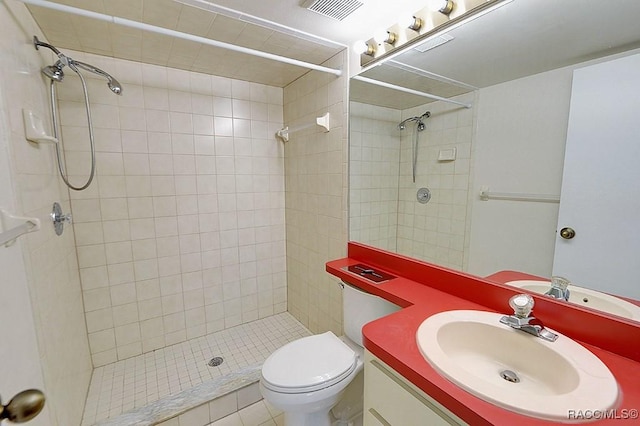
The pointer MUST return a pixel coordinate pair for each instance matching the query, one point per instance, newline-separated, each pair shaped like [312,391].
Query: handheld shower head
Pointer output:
[113,84]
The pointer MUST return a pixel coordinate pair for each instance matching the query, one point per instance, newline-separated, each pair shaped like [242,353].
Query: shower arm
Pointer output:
[37,43]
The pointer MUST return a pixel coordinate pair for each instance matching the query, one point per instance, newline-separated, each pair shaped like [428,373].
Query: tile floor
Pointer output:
[138,381]
[258,414]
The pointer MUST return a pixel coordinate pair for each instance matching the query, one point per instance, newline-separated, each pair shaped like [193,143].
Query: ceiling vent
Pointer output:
[336,9]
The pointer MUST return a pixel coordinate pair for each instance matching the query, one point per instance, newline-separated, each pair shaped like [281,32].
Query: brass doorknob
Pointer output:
[23,407]
[567,233]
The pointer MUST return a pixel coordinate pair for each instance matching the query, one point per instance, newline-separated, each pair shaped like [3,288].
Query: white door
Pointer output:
[600,197]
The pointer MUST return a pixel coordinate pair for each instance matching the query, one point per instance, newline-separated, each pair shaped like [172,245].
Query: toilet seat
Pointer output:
[309,364]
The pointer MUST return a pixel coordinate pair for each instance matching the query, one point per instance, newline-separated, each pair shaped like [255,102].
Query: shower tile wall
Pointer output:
[182,234]
[316,194]
[52,281]
[437,231]
[374,161]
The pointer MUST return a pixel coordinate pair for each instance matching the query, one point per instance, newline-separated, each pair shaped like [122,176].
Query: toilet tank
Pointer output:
[359,308]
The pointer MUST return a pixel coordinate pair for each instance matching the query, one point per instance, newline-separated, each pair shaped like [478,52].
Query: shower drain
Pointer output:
[215,361]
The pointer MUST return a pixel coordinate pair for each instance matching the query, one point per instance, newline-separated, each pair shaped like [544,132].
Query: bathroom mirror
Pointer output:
[514,65]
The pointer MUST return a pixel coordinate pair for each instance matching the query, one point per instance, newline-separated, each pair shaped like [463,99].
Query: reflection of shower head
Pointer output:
[421,125]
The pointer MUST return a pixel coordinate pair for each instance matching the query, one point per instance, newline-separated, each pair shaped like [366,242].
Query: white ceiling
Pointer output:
[360,25]
[68,31]
[521,38]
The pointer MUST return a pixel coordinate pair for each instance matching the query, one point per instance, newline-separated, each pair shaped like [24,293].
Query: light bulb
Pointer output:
[442,6]
[384,36]
[362,47]
[380,36]
[411,22]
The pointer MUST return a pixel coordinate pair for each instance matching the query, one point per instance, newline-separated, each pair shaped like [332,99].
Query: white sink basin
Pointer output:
[473,349]
[586,297]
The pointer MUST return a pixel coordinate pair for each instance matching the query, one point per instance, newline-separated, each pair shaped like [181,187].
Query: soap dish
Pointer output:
[34,129]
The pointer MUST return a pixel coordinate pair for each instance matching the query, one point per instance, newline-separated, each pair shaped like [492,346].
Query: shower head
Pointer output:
[54,72]
[401,125]
[421,125]
[113,84]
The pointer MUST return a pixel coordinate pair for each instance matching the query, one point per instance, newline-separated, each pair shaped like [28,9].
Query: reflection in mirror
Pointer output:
[384,208]
[517,74]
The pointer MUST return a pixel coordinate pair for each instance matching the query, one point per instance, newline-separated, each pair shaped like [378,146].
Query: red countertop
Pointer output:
[424,289]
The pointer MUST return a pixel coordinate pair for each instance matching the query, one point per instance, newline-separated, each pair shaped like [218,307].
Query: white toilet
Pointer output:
[307,377]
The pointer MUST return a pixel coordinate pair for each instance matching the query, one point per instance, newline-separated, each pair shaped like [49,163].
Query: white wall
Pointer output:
[61,366]
[374,161]
[519,147]
[316,195]
[19,357]
[437,231]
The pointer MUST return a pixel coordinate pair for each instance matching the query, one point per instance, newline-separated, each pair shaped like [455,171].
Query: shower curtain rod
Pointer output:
[406,90]
[179,34]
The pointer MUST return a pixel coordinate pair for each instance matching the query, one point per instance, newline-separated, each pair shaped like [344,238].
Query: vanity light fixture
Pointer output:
[384,36]
[444,6]
[364,48]
[413,23]
[427,29]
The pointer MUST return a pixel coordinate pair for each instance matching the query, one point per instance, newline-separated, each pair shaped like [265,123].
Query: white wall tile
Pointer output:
[174,186]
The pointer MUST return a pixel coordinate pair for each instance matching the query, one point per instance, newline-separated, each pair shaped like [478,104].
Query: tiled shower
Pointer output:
[384,208]
[182,234]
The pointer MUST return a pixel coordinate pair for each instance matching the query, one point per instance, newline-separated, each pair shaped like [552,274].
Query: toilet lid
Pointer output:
[308,364]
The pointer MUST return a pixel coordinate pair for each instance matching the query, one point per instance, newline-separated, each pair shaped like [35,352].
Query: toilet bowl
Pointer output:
[307,377]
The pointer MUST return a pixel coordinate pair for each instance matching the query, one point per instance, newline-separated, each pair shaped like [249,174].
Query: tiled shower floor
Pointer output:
[144,379]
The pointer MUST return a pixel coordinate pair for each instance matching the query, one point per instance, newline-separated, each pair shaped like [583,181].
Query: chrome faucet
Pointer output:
[559,288]
[522,319]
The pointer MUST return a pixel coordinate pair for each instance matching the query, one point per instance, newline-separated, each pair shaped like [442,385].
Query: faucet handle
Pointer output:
[522,305]
[560,282]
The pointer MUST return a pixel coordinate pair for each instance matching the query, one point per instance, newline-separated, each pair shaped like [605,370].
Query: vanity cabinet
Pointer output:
[391,400]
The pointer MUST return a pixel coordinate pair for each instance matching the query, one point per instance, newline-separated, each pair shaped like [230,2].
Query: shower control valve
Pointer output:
[59,218]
